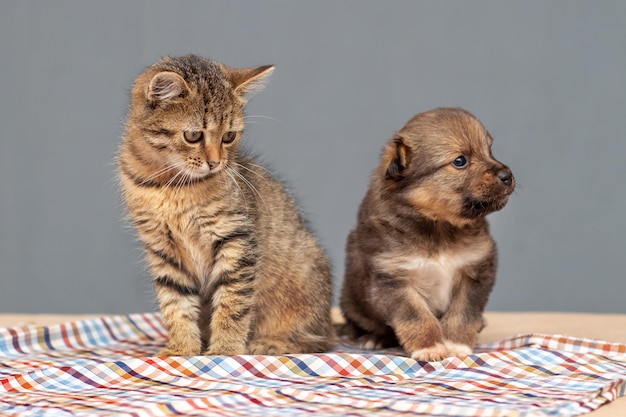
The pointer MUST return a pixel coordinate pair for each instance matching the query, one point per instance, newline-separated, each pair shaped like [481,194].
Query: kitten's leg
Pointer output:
[296,339]
[290,336]
[180,307]
[464,318]
[206,312]
[233,299]
[272,346]
[289,341]
[179,304]
[293,304]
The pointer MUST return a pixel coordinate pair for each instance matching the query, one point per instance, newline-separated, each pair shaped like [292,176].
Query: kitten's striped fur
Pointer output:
[235,269]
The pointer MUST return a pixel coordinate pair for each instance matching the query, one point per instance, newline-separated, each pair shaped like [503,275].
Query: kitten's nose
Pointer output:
[213,164]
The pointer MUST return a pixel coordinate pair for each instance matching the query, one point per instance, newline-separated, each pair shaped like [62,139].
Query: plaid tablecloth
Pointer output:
[106,366]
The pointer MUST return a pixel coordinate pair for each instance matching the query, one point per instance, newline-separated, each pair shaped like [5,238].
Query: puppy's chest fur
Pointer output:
[434,275]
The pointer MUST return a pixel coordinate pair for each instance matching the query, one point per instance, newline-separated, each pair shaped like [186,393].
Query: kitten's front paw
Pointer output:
[217,350]
[222,352]
[178,352]
[271,347]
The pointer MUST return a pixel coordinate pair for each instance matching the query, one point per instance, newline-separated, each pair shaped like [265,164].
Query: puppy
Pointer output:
[420,263]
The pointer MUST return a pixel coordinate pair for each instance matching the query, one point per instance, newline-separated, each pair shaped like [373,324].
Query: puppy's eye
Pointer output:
[460,162]
[192,137]
[229,137]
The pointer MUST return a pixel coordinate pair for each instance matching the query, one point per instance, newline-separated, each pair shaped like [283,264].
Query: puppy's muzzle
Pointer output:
[506,176]
[493,194]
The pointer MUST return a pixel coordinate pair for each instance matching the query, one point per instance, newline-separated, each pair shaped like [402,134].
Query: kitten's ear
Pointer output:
[248,80]
[396,158]
[166,85]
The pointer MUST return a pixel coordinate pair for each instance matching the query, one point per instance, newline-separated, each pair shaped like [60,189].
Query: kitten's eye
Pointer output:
[229,137]
[192,137]
[460,162]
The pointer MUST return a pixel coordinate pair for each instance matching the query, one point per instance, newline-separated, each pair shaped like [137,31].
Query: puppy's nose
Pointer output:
[505,175]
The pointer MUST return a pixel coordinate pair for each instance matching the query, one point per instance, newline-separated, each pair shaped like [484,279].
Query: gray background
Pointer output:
[546,78]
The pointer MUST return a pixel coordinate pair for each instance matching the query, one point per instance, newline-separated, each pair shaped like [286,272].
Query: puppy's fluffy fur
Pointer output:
[421,263]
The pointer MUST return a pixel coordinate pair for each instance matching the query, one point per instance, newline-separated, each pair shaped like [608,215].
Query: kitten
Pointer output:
[235,268]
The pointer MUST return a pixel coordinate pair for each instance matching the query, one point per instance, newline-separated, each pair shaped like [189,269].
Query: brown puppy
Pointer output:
[421,263]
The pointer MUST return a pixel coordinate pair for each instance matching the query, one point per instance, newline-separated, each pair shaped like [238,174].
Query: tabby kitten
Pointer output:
[236,270]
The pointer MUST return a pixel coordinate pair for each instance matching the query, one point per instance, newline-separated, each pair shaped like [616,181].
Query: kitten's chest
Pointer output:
[185,212]
[187,229]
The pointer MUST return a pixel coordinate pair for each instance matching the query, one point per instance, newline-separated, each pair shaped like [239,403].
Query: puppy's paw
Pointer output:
[370,342]
[432,353]
[440,351]
[458,349]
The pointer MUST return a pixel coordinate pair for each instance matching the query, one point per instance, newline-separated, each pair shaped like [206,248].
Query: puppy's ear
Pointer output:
[396,158]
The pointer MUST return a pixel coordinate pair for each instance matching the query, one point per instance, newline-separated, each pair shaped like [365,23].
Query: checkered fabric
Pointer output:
[106,366]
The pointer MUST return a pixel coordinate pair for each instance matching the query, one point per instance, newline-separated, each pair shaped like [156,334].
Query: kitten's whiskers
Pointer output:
[260,167]
[182,182]
[264,117]
[162,171]
[251,186]
[250,170]
[230,171]
[171,181]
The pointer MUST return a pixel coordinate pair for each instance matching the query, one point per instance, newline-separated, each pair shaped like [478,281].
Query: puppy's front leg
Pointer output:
[416,328]
[464,318]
